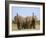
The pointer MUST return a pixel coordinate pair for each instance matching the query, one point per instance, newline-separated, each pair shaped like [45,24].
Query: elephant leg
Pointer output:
[30,26]
[21,26]
[18,27]
[25,26]
[33,26]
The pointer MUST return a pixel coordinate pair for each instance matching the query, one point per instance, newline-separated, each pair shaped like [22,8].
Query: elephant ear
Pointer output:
[15,19]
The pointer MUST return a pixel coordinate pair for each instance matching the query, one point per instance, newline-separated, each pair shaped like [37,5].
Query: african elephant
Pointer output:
[20,21]
[25,22]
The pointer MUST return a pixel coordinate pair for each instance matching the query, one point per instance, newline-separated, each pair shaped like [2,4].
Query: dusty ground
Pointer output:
[14,27]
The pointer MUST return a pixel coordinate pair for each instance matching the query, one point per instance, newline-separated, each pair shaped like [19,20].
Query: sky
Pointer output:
[26,11]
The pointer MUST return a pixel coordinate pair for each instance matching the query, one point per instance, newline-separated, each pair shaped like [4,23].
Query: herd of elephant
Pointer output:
[25,22]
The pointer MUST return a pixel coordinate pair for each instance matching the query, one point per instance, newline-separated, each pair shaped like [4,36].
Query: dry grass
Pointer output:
[14,27]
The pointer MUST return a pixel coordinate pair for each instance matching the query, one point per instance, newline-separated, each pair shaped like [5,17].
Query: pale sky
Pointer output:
[26,11]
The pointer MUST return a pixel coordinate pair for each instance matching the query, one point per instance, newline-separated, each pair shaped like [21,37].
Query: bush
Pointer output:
[13,21]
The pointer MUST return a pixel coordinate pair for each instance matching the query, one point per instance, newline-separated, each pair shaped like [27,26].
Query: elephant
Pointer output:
[20,21]
[25,22]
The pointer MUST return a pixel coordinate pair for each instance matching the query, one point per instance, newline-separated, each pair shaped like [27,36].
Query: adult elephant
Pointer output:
[30,22]
[24,22]
[20,21]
